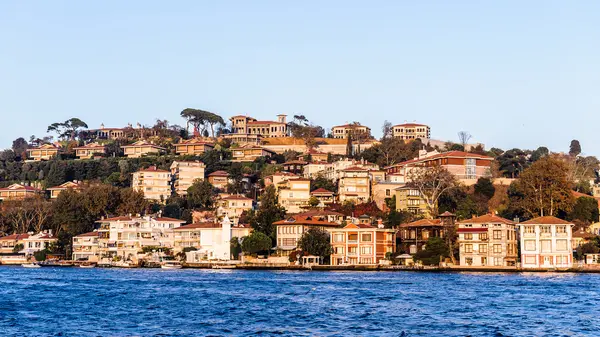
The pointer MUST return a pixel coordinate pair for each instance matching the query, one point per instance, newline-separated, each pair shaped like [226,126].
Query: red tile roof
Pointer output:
[200,225]
[306,220]
[118,218]
[423,223]
[153,169]
[64,186]
[355,169]
[89,234]
[358,226]
[219,174]
[409,125]
[14,237]
[449,154]
[236,197]
[321,190]
[91,146]
[165,219]
[472,230]
[488,218]
[19,187]
[263,122]
[195,141]
[318,212]
[547,220]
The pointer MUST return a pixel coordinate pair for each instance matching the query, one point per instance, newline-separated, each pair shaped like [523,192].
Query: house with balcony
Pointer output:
[248,130]
[411,131]
[10,243]
[36,242]
[57,190]
[219,179]
[361,244]
[249,153]
[546,243]
[294,166]
[354,185]
[232,206]
[154,183]
[193,147]
[184,173]
[314,156]
[290,230]
[43,152]
[19,192]
[409,199]
[125,236]
[487,240]
[324,196]
[85,247]
[90,151]
[414,235]
[142,148]
[294,194]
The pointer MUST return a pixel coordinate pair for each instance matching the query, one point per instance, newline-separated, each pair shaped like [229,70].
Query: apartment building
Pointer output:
[19,192]
[360,244]
[212,240]
[85,247]
[546,243]
[315,169]
[290,230]
[57,190]
[324,196]
[464,166]
[294,166]
[410,131]
[154,183]
[125,236]
[342,131]
[249,153]
[193,147]
[335,171]
[184,173]
[279,177]
[487,240]
[294,194]
[232,206]
[142,148]
[43,152]
[90,151]
[410,200]
[219,179]
[354,185]
[315,156]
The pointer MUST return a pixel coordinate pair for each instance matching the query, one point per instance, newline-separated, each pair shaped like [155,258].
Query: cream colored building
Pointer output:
[219,179]
[342,131]
[359,244]
[383,190]
[85,247]
[43,152]
[249,153]
[324,196]
[212,240]
[242,125]
[18,192]
[410,200]
[354,185]
[294,194]
[233,206]
[487,240]
[56,190]
[193,147]
[409,131]
[154,183]
[37,242]
[290,230]
[89,151]
[142,148]
[184,173]
[546,243]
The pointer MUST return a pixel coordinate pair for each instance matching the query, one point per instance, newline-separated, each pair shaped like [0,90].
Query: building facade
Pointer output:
[90,151]
[342,131]
[154,183]
[290,230]
[57,190]
[411,200]
[18,192]
[232,207]
[360,244]
[43,152]
[219,179]
[546,243]
[142,148]
[85,247]
[487,240]
[193,147]
[184,173]
[410,131]
[354,185]
[294,194]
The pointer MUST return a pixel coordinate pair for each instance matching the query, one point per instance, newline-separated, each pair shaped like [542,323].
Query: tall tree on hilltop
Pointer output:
[575,148]
[386,130]
[200,119]
[463,138]
[68,129]
[19,146]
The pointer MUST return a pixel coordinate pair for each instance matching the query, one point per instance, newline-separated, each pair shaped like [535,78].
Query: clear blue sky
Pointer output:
[512,73]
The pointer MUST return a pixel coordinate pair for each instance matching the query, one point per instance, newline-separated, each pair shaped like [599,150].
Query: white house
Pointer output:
[546,243]
[212,240]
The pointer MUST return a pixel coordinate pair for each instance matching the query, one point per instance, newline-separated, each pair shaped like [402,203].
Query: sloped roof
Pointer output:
[63,186]
[219,174]
[14,237]
[409,125]
[423,223]
[143,143]
[195,141]
[200,225]
[153,169]
[487,218]
[546,220]
[89,234]
[235,197]
[91,146]
[449,154]
[306,220]
[321,190]
[19,187]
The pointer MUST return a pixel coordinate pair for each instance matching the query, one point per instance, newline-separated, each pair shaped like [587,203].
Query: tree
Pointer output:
[485,188]
[235,248]
[19,146]
[538,154]
[431,182]
[316,242]
[463,138]
[268,212]
[56,174]
[313,201]
[256,242]
[200,195]
[435,250]
[386,130]
[545,188]
[200,119]
[68,129]
[585,210]
[574,148]
[512,162]
[131,202]
[322,182]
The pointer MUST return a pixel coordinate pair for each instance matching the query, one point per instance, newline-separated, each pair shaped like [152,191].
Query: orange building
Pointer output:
[219,179]
[193,147]
[142,148]
[361,244]
[90,151]
[43,152]
[18,192]
[56,190]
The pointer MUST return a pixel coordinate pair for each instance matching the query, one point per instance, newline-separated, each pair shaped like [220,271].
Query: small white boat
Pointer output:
[87,266]
[30,265]
[223,266]
[171,265]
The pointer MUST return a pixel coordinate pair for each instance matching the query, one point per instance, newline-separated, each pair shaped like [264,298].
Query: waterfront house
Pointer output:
[360,244]
[36,242]
[414,235]
[219,179]
[18,192]
[9,242]
[43,152]
[184,173]
[90,151]
[546,243]
[154,183]
[85,247]
[56,190]
[142,148]
[487,240]
[411,200]
[290,230]
[232,206]
[193,147]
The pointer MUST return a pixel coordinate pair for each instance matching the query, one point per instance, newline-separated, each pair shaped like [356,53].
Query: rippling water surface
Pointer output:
[155,302]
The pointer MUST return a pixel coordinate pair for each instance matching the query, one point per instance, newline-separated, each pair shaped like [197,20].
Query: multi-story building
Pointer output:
[142,148]
[487,240]
[184,173]
[279,177]
[596,190]
[90,151]
[315,169]
[36,242]
[56,190]
[414,235]
[546,243]
[464,166]
[335,171]
[361,244]
[342,131]
[410,200]
[354,185]
[10,243]
[43,152]
[232,206]
[153,182]
[219,179]
[242,125]
[249,153]
[382,191]
[85,247]
[408,131]
[212,240]
[324,196]
[125,236]
[315,156]
[193,147]
[294,166]
[18,192]
[290,230]
[294,194]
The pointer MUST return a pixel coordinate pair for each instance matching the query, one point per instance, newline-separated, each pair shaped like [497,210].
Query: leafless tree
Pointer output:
[464,138]
[431,182]
[386,129]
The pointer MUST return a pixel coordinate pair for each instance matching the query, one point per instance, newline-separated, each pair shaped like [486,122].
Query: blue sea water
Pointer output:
[155,302]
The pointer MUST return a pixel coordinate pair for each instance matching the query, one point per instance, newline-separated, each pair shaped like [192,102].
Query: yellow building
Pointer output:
[250,153]
[233,206]
[193,147]
[294,194]
[342,131]
[154,183]
[290,230]
[241,125]
[408,131]
[324,196]
[18,192]
[184,173]
[354,185]
[142,148]
[56,190]
[90,151]
[410,200]
[219,179]
[43,152]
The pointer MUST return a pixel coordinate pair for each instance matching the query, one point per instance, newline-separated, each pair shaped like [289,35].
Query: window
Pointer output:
[366,250]
[483,260]
[497,249]
[497,234]
[529,229]
[468,248]
[561,229]
[351,250]
[561,245]
[546,246]
[530,245]
[497,261]
[366,237]
[338,238]
[339,250]
[545,230]
[483,236]
[468,236]
[483,248]
[352,237]
[388,192]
